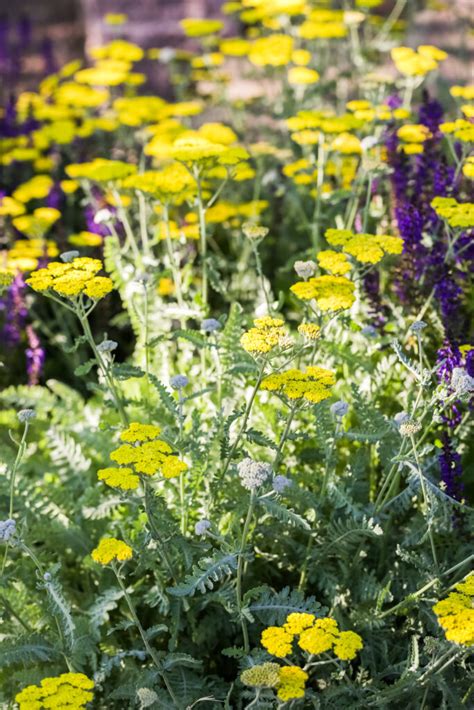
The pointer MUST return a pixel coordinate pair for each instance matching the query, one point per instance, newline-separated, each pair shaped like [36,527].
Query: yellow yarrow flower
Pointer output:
[334,262]
[146,453]
[110,549]
[197,27]
[331,293]
[122,478]
[456,613]
[274,51]
[311,331]
[312,385]
[101,170]
[302,76]
[71,690]
[265,675]
[264,337]
[292,683]
[277,641]
[72,279]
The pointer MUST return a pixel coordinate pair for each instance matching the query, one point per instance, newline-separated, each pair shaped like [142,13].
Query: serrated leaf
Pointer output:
[124,371]
[85,368]
[284,514]
[205,574]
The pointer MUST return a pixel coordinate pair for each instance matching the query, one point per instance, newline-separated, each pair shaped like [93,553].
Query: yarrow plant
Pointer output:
[237,369]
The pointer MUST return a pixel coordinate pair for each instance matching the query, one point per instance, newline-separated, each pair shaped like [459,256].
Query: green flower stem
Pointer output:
[425,587]
[246,417]
[284,436]
[327,469]
[240,571]
[131,241]
[16,464]
[316,222]
[40,569]
[389,23]
[203,237]
[102,365]
[171,256]
[143,222]
[304,569]
[182,500]
[365,217]
[425,500]
[157,535]
[151,652]
[258,264]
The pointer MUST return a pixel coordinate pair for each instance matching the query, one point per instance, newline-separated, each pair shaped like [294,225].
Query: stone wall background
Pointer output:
[37,36]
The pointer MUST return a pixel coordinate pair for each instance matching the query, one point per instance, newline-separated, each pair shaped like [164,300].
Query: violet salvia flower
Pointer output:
[15,311]
[35,356]
[450,468]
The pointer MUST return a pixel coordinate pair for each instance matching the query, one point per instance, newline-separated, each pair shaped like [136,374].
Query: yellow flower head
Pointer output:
[456,613]
[196,27]
[334,262]
[265,675]
[71,690]
[110,549]
[331,293]
[292,683]
[277,641]
[145,453]
[274,50]
[101,170]
[311,331]
[312,385]
[72,279]
[302,76]
[265,336]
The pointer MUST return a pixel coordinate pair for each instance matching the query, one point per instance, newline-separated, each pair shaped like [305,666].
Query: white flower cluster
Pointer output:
[253,474]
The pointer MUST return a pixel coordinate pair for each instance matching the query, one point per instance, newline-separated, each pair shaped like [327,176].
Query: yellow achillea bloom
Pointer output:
[277,641]
[334,262]
[311,331]
[456,214]
[456,613]
[38,222]
[292,683]
[71,690]
[85,239]
[72,279]
[146,453]
[123,478]
[197,27]
[347,144]
[166,286]
[101,170]
[37,188]
[331,293]
[347,645]
[416,63]
[110,549]
[414,133]
[298,621]
[312,385]
[366,248]
[302,76]
[265,675]
[266,335]
[274,50]
[162,184]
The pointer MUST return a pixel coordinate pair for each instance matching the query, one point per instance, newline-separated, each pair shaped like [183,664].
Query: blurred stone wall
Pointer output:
[38,36]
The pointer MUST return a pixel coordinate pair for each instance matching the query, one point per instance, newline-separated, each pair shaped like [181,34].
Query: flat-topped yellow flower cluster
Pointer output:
[142,453]
[72,279]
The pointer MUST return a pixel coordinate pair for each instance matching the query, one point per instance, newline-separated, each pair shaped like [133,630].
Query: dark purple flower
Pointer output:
[35,356]
[14,307]
[450,468]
